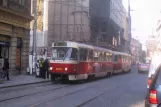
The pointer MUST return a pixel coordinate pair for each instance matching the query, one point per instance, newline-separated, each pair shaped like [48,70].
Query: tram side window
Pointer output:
[83,54]
[111,56]
[123,59]
[107,56]
[90,55]
[104,57]
[115,58]
[100,57]
[74,54]
[95,54]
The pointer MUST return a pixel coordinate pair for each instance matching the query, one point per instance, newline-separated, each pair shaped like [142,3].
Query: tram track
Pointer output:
[34,93]
[71,93]
[17,88]
[53,89]
[59,97]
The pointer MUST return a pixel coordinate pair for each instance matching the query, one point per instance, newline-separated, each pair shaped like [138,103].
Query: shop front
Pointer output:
[4,46]
[14,39]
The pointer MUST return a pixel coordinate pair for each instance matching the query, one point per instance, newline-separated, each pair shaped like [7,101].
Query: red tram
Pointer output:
[122,62]
[77,61]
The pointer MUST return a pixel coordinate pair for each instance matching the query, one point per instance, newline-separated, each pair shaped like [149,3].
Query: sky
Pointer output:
[144,17]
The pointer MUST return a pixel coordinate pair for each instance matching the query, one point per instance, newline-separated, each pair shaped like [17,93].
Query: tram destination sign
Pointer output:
[60,44]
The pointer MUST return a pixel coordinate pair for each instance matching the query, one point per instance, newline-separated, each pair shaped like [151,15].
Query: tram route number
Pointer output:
[59,69]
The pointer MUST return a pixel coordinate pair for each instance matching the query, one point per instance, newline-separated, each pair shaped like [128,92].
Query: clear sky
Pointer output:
[144,17]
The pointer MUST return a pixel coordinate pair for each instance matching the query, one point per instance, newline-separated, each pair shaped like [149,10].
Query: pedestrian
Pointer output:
[6,68]
[37,69]
[41,63]
[46,68]
[1,62]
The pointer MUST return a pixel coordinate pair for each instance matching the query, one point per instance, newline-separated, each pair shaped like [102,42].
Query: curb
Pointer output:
[24,84]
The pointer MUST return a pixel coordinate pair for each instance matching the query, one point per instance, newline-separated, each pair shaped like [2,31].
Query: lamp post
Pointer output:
[34,58]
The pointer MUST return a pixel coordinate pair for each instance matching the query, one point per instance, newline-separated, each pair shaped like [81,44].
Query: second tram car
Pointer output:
[77,61]
[121,62]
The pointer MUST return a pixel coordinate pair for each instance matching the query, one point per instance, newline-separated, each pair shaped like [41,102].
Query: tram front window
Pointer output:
[64,53]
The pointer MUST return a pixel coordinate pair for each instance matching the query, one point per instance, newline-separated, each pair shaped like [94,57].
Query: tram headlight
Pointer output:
[66,69]
[51,68]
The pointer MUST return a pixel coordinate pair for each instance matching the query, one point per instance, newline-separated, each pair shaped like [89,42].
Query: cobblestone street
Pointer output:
[124,90]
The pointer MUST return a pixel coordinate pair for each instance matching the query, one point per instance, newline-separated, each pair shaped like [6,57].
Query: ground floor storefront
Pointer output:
[15,47]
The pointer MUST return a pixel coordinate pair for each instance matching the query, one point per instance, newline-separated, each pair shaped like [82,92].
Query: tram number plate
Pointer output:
[59,69]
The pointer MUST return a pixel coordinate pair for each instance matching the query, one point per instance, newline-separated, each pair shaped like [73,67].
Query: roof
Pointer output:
[121,53]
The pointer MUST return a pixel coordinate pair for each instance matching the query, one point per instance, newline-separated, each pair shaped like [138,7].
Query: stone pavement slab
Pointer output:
[22,80]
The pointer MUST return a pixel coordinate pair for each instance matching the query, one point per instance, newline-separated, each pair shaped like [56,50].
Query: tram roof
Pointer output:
[83,45]
[120,53]
[93,47]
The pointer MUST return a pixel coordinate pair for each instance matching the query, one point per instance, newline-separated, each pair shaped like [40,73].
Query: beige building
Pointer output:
[68,20]
[14,33]
[60,20]
[40,26]
[136,50]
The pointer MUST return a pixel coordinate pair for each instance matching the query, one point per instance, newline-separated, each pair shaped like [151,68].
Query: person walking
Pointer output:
[1,62]
[6,68]
[41,64]
[37,69]
[46,68]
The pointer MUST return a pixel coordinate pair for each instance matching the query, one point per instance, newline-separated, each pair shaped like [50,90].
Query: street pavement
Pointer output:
[124,90]
[22,80]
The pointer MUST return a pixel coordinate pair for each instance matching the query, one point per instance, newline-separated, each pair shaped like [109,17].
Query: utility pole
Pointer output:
[34,57]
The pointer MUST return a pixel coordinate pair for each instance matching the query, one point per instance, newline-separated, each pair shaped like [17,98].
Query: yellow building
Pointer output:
[40,8]
[39,31]
[15,17]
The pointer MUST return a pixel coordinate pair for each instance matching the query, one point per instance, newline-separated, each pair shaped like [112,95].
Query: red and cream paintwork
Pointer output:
[79,70]
[122,62]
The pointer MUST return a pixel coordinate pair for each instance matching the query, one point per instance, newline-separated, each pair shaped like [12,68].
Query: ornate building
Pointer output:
[15,32]
[136,50]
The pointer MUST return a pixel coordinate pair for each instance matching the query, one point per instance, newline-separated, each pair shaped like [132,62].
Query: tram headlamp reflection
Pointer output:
[51,68]
[66,69]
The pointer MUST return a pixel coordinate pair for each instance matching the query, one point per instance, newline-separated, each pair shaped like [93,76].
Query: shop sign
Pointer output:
[3,43]
[4,40]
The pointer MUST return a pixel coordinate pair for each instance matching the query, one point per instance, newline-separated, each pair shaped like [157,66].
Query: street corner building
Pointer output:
[15,17]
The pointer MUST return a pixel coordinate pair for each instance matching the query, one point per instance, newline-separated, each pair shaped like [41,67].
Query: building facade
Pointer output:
[136,50]
[151,45]
[97,22]
[68,20]
[158,35]
[108,18]
[40,26]
[15,33]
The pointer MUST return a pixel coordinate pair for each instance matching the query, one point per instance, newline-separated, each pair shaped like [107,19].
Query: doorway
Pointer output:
[4,51]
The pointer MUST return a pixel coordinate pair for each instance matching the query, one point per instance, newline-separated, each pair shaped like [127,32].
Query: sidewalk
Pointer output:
[22,80]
